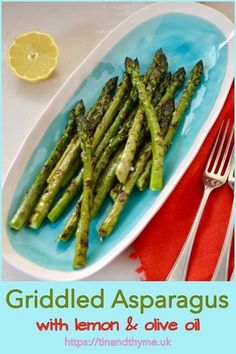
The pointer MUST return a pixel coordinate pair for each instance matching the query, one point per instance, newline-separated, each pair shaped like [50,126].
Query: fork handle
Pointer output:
[221,271]
[180,268]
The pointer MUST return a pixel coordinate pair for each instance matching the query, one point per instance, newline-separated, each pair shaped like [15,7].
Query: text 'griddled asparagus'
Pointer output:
[119,144]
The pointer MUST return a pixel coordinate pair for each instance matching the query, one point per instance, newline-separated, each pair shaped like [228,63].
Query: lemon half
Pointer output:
[33,56]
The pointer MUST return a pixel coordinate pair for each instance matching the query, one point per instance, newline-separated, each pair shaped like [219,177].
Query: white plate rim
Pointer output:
[59,100]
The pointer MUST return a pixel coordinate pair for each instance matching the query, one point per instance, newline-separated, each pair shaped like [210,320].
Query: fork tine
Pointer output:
[226,153]
[231,173]
[220,147]
[228,165]
[214,147]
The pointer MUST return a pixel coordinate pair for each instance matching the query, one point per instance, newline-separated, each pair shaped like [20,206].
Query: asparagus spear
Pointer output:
[67,197]
[110,221]
[195,77]
[94,116]
[113,129]
[31,197]
[134,133]
[76,183]
[144,178]
[158,61]
[101,190]
[176,117]
[175,83]
[71,225]
[41,209]
[105,183]
[65,153]
[81,245]
[111,111]
[130,148]
[161,89]
[68,177]
[102,105]
[114,143]
[164,114]
[156,182]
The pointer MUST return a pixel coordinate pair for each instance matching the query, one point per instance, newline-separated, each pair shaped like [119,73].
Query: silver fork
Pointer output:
[212,178]
[221,270]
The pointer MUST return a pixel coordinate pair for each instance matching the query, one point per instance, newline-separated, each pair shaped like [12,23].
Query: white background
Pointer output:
[76,28]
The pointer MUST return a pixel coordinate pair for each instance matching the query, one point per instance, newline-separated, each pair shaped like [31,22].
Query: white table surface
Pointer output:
[76,28]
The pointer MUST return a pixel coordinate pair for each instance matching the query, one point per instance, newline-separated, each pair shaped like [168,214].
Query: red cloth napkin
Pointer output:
[160,243]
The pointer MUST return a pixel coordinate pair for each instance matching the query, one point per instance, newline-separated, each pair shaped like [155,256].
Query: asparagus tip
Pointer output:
[200,63]
[160,60]
[179,75]
[111,83]
[131,65]
[136,61]
[196,72]
[159,52]
[198,68]
[79,108]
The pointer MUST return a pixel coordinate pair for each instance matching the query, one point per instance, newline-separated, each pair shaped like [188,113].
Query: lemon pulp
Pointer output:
[33,56]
